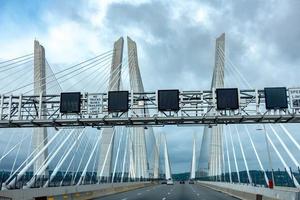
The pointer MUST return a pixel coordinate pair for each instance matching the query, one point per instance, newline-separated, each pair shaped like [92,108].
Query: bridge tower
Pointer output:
[193,164]
[136,85]
[167,161]
[211,147]
[156,156]
[107,141]
[39,134]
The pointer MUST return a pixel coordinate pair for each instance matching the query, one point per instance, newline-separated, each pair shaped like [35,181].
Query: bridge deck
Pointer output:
[174,192]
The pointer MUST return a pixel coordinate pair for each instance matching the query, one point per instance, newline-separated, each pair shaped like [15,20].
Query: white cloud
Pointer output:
[69,42]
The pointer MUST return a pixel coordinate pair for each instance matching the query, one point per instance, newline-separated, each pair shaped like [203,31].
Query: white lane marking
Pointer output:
[148,190]
[124,199]
[139,193]
[169,193]
[198,194]
[163,198]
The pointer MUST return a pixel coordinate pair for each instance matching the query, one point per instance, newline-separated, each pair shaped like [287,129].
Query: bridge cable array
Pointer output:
[241,80]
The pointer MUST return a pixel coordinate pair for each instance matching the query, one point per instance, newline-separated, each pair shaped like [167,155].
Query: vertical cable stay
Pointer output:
[82,177]
[17,58]
[223,156]
[234,68]
[117,156]
[125,154]
[243,154]
[81,160]
[74,153]
[22,74]
[91,76]
[68,78]
[64,157]
[45,163]
[50,74]
[16,64]
[82,151]
[106,156]
[114,79]
[48,160]
[234,156]
[25,162]
[6,147]
[13,148]
[64,70]
[73,71]
[285,147]
[94,171]
[16,157]
[21,173]
[256,154]
[228,159]
[23,64]
[284,163]
[290,136]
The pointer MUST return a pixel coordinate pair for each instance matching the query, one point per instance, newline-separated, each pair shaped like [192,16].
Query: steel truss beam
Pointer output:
[25,111]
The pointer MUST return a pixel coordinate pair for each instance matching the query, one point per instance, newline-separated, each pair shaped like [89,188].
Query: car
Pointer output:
[170,182]
[181,182]
[164,182]
[191,182]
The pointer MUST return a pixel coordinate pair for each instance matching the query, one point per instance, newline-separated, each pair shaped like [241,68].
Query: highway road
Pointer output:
[172,192]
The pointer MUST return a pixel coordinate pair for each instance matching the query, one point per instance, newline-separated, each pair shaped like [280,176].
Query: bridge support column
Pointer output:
[216,147]
[193,164]
[213,138]
[156,157]
[167,161]
[39,134]
[107,141]
[136,84]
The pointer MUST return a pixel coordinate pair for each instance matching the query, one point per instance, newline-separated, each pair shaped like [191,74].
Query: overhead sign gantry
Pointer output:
[164,107]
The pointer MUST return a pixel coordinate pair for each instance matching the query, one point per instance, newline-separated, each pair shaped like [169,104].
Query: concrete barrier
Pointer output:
[248,192]
[80,192]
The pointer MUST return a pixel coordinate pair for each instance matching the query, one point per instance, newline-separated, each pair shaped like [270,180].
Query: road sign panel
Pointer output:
[70,102]
[294,94]
[276,98]
[94,104]
[118,101]
[168,100]
[227,98]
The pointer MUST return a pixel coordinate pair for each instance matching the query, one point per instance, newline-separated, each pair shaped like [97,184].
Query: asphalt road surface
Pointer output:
[176,192]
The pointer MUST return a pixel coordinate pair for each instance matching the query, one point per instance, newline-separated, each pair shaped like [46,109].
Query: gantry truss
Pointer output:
[196,108]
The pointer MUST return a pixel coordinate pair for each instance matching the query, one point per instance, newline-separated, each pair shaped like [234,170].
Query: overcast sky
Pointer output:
[175,42]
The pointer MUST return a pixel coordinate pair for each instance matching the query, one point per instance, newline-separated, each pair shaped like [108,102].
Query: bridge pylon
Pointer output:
[211,148]
[167,160]
[156,156]
[39,134]
[193,163]
[136,85]
[107,141]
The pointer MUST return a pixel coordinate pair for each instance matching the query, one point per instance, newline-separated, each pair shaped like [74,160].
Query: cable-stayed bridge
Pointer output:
[94,136]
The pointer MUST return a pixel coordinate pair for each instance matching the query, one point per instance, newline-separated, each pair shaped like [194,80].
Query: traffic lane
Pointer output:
[209,194]
[149,192]
[174,192]
[195,192]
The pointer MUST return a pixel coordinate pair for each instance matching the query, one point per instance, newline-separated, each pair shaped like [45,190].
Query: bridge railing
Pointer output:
[281,177]
[67,180]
